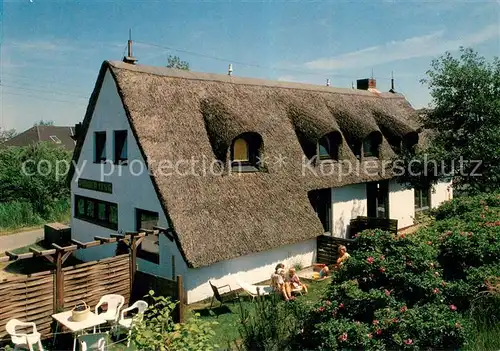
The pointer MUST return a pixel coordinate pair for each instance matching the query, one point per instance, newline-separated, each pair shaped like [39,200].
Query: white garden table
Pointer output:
[64,318]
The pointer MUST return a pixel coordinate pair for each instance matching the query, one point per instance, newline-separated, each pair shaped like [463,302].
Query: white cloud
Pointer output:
[422,46]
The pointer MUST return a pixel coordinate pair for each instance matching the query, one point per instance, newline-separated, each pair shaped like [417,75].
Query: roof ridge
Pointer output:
[221,78]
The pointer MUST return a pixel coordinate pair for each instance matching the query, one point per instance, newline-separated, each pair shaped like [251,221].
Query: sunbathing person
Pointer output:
[343,256]
[294,280]
[278,282]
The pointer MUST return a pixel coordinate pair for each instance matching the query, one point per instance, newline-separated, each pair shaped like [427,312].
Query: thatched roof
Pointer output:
[178,115]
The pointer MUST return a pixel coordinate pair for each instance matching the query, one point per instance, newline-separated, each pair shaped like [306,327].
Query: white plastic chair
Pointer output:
[114,303]
[19,339]
[95,342]
[141,306]
[252,289]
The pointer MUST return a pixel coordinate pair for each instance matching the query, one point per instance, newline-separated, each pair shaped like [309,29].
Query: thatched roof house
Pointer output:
[178,115]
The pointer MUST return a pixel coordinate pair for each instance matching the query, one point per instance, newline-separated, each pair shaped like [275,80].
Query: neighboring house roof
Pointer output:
[176,115]
[53,134]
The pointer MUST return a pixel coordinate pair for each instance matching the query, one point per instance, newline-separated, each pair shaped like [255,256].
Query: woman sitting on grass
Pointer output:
[279,284]
[294,280]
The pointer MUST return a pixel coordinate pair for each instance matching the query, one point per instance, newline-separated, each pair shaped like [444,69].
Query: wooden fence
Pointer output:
[161,286]
[28,298]
[33,298]
[361,223]
[89,281]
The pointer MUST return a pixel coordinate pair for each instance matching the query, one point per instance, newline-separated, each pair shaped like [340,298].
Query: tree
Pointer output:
[175,62]
[6,134]
[464,124]
[43,123]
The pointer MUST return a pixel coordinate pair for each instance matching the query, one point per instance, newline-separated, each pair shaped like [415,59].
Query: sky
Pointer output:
[51,51]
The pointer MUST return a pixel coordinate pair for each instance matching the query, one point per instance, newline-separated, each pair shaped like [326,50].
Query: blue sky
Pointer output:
[51,51]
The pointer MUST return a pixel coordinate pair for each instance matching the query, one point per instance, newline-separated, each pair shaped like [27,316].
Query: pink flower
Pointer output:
[395,320]
[457,325]
[321,309]
[429,243]
[435,291]
[369,260]
[328,303]
[436,274]
[409,263]
[375,322]
[341,305]
[382,257]
[408,341]
[369,335]
[378,331]
[387,292]
[358,322]
[404,309]
[453,307]
[382,269]
[343,337]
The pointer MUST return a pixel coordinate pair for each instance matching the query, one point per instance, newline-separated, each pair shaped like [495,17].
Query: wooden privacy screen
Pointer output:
[28,298]
[33,298]
[144,282]
[89,281]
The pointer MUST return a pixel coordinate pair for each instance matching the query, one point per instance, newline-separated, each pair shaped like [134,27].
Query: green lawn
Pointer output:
[228,316]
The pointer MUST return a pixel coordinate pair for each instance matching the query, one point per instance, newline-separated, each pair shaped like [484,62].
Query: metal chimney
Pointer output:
[230,70]
[327,82]
[130,57]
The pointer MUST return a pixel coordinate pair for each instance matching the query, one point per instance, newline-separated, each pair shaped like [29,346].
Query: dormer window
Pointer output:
[371,145]
[356,149]
[328,147]
[245,152]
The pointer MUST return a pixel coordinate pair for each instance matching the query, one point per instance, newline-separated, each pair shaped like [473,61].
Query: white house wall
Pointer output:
[401,204]
[440,193]
[252,269]
[348,202]
[131,189]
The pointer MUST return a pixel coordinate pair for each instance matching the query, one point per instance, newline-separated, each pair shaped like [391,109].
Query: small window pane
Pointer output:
[113,214]
[80,205]
[240,150]
[101,211]
[120,146]
[90,208]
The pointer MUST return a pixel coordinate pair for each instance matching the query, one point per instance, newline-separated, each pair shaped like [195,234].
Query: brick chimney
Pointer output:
[369,84]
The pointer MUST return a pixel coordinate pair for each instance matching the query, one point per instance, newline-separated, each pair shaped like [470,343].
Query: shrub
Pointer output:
[427,290]
[272,325]
[157,330]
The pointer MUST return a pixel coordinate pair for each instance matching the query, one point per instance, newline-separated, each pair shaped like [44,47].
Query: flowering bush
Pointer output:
[411,291]
[415,291]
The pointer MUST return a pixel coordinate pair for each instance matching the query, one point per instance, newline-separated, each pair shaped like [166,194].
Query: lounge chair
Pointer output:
[251,290]
[222,296]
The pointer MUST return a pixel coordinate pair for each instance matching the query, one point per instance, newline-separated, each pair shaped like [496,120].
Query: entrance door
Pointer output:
[377,195]
[149,249]
[321,200]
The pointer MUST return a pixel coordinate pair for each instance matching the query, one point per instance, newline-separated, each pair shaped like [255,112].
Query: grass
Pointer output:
[485,338]
[228,316]
[16,215]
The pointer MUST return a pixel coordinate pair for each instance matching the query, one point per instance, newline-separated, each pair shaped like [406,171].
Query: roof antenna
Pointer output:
[230,70]
[372,72]
[352,84]
[129,58]
[327,82]
[392,83]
